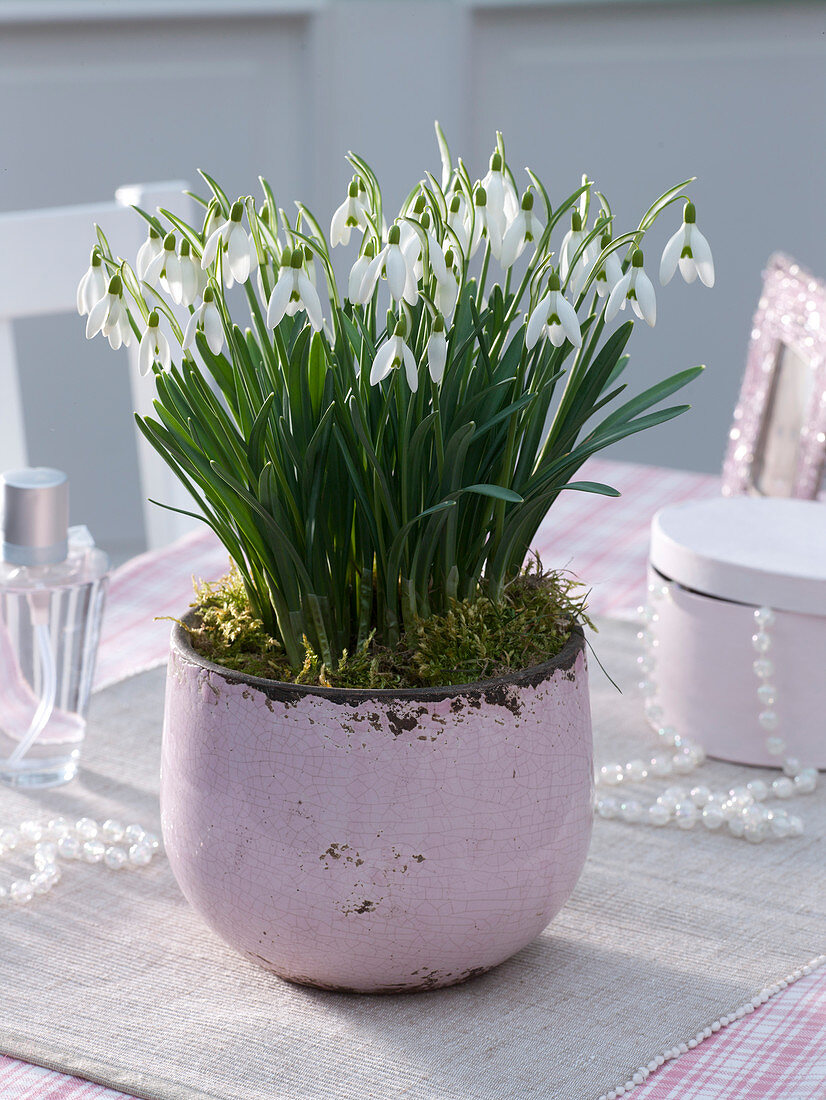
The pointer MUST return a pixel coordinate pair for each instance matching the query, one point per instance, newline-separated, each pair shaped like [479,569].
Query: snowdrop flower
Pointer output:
[610,271]
[147,252]
[458,218]
[208,320]
[154,347]
[349,216]
[525,227]
[185,276]
[502,201]
[356,285]
[92,287]
[554,316]
[447,291]
[411,248]
[294,291]
[570,245]
[398,267]
[480,223]
[689,249]
[235,243]
[110,316]
[634,287]
[392,354]
[162,263]
[437,350]
[435,253]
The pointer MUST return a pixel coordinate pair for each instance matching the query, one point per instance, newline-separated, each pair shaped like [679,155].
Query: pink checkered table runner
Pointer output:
[777,1052]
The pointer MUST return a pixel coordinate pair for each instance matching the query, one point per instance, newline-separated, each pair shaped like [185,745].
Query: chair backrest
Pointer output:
[29,287]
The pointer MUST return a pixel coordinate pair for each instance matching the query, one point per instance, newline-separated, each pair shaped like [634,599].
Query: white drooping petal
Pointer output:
[146,253]
[311,300]
[115,337]
[502,207]
[411,286]
[280,297]
[191,328]
[612,270]
[174,277]
[479,225]
[513,242]
[459,223]
[567,318]
[155,267]
[124,326]
[213,329]
[97,316]
[253,255]
[214,240]
[190,280]
[81,286]
[91,289]
[146,351]
[357,273]
[386,356]
[537,321]
[671,256]
[616,299]
[371,276]
[646,299]
[511,204]
[566,252]
[703,259]
[238,253]
[437,258]
[494,186]
[339,229]
[409,242]
[396,271]
[164,353]
[447,294]
[688,269]
[116,328]
[411,369]
[437,356]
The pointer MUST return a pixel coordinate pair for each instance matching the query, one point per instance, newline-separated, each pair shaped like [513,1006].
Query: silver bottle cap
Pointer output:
[35,516]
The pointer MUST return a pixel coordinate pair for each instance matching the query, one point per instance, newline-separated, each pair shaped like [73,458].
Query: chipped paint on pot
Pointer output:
[377,840]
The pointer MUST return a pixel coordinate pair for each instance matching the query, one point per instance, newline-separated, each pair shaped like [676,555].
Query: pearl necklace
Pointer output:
[740,809]
[115,845]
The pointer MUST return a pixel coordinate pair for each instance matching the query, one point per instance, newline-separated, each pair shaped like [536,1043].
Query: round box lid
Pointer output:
[764,551]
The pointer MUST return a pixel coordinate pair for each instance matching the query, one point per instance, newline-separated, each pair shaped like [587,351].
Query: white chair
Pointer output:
[30,288]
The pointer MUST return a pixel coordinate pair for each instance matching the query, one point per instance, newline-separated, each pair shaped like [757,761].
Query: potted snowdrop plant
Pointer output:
[377,766]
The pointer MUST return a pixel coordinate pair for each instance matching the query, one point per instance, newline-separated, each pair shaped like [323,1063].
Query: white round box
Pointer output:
[718,561]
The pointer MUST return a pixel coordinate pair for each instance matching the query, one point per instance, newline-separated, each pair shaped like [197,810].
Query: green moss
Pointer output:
[475,640]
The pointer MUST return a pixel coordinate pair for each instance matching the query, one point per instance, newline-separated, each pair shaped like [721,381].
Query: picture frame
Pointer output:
[777,441]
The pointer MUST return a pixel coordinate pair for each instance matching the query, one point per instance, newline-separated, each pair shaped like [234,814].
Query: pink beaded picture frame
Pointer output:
[780,418]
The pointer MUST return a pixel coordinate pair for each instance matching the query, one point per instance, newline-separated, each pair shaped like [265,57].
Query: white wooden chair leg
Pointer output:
[12,429]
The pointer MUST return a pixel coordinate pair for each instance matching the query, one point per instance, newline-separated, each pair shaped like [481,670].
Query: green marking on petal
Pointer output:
[686,253]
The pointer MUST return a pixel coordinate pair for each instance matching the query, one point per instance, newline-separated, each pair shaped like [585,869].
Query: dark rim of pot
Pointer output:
[285,691]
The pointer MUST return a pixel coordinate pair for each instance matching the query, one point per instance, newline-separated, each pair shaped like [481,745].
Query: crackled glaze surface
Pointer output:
[376,841]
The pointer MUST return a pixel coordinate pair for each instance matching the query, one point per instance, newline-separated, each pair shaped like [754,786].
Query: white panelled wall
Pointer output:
[95,95]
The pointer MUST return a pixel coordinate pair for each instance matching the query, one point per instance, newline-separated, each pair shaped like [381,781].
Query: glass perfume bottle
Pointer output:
[53,583]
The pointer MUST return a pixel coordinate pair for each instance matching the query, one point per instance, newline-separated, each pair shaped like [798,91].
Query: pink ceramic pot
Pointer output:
[377,841]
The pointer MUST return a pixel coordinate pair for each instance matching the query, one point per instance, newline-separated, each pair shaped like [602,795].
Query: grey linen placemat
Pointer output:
[112,977]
